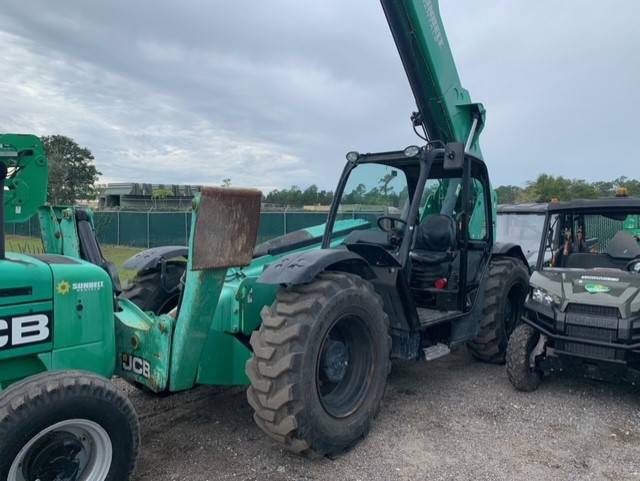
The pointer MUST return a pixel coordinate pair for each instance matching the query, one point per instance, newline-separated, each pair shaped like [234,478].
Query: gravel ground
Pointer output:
[452,419]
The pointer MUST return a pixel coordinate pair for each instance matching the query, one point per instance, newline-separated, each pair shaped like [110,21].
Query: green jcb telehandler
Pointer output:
[61,326]
[319,326]
[420,281]
[310,324]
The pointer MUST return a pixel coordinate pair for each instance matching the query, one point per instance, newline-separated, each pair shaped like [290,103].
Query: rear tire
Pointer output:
[519,370]
[67,425]
[505,290]
[147,291]
[320,363]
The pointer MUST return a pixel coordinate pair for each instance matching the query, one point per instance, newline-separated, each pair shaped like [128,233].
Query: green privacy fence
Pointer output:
[601,228]
[151,229]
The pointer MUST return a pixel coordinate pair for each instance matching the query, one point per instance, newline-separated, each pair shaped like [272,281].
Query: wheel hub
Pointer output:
[71,450]
[344,366]
[336,361]
[58,456]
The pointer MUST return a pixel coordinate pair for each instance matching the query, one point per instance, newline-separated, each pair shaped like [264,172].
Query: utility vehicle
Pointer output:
[582,312]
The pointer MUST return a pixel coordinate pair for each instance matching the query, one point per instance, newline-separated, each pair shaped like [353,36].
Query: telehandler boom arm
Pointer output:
[445,110]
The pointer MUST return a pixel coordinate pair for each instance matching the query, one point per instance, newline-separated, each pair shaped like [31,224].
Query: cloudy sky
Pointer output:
[274,93]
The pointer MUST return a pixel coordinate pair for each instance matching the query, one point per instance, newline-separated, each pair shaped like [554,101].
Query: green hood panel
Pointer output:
[24,279]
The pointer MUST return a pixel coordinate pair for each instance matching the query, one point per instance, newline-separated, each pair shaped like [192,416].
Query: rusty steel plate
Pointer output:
[226,227]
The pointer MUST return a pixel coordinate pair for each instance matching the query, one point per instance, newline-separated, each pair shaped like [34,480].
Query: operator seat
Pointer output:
[432,256]
[435,240]
[90,249]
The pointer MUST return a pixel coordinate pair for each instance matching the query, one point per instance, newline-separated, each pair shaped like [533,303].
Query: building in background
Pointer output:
[133,196]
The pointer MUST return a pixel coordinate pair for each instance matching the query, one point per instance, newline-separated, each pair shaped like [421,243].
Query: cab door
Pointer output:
[476,230]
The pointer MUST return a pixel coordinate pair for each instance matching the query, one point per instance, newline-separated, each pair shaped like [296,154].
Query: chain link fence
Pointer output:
[152,229]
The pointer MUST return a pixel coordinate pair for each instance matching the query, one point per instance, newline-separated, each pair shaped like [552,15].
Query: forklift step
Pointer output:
[430,317]
[437,351]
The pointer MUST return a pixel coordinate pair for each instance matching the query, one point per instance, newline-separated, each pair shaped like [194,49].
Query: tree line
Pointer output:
[547,187]
[73,175]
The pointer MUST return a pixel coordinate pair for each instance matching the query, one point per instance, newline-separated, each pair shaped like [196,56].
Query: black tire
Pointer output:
[519,370]
[505,290]
[54,398]
[291,365]
[147,291]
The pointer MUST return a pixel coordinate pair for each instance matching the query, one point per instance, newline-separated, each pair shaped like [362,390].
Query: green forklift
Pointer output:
[310,323]
[413,286]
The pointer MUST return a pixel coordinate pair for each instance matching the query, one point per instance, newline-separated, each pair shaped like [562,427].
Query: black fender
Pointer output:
[509,249]
[303,267]
[151,258]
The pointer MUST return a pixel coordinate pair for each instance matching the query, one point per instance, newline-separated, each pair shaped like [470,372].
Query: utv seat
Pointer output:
[593,261]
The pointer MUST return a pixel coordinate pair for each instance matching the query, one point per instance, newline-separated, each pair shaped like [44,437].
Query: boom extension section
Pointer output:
[445,110]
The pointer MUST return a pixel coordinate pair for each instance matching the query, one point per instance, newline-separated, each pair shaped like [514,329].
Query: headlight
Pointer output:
[411,151]
[538,295]
[353,156]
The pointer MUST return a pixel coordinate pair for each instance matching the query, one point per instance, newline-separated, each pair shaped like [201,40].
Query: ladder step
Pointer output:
[439,350]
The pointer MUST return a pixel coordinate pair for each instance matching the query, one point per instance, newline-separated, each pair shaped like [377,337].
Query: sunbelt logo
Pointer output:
[64,287]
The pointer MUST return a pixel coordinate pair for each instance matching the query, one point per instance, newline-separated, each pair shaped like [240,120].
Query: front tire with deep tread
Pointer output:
[40,402]
[287,353]
[522,375]
[505,290]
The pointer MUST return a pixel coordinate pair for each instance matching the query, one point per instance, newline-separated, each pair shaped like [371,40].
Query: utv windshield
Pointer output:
[524,230]
[603,240]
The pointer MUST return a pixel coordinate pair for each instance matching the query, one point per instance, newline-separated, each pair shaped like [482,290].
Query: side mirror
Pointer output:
[454,156]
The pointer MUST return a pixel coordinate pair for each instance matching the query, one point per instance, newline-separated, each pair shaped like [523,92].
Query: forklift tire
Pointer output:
[320,364]
[147,291]
[69,425]
[505,290]
[519,370]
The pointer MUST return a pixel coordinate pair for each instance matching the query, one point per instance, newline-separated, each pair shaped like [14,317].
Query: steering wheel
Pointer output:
[389,218]
[634,265]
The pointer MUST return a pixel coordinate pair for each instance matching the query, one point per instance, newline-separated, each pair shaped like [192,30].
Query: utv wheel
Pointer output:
[66,426]
[522,375]
[506,287]
[148,291]
[320,364]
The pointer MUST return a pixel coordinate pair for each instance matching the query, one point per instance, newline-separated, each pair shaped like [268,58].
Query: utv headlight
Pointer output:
[542,297]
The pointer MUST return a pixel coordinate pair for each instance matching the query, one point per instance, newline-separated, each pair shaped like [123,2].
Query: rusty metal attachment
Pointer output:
[227,227]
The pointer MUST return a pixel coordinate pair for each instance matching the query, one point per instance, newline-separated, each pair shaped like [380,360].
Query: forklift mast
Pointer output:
[445,110]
